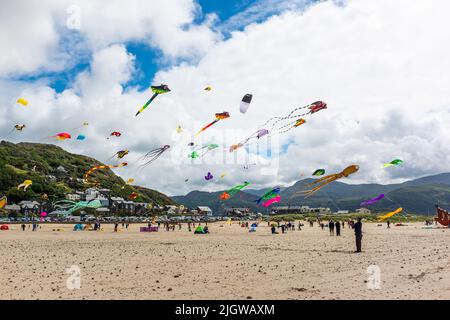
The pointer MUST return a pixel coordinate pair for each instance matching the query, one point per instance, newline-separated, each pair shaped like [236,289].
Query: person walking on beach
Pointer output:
[116,225]
[338,228]
[358,234]
[343,224]
[299,226]
[322,225]
[23,226]
[331,227]
[388,224]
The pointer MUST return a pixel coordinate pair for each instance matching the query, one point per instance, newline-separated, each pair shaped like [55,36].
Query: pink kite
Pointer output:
[273,200]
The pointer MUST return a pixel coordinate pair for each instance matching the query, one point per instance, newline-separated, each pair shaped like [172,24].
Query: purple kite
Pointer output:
[370,201]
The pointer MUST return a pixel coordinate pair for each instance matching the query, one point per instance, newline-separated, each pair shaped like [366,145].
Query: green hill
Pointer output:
[40,162]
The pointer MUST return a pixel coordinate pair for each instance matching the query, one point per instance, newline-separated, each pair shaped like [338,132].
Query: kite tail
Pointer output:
[146,104]
[206,127]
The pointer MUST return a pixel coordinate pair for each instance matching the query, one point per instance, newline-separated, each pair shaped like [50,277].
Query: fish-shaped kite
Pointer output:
[390,214]
[271,201]
[373,200]
[163,88]
[219,116]
[319,172]
[395,162]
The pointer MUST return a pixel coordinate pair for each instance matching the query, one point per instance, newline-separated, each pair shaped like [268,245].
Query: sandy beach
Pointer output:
[229,263]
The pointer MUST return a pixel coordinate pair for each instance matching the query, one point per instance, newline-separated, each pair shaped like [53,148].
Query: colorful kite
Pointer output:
[208,88]
[270,194]
[62,136]
[81,137]
[219,116]
[209,176]
[245,103]
[25,185]
[256,135]
[271,201]
[395,162]
[120,154]
[19,127]
[373,200]
[115,134]
[22,101]
[3,202]
[322,182]
[199,153]
[91,170]
[152,155]
[284,124]
[133,196]
[129,181]
[390,214]
[319,172]
[156,91]
[229,193]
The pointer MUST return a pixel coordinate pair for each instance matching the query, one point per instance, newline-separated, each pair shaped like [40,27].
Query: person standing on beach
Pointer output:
[299,226]
[331,227]
[322,225]
[338,228]
[343,224]
[389,224]
[116,225]
[23,226]
[358,234]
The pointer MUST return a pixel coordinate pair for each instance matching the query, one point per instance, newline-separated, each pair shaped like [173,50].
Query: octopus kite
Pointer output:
[156,91]
[90,171]
[322,182]
[228,194]
[152,155]
[219,116]
[25,185]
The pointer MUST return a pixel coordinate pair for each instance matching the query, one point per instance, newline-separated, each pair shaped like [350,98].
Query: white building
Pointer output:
[363,210]
[205,211]
[73,197]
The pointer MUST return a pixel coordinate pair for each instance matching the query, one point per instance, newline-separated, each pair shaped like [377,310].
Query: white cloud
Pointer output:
[380,65]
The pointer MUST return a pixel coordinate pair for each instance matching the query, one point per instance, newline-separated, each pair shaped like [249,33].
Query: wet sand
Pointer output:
[229,263]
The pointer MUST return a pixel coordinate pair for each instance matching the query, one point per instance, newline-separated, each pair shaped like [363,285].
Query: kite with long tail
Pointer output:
[156,91]
[322,182]
[152,155]
[228,194]
[91,170]
[219,116]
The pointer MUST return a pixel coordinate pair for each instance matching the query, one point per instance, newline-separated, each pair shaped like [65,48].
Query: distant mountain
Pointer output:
[56,172]
[416,196]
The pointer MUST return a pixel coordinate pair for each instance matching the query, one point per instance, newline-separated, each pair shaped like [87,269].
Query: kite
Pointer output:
[258,135]
[270,201]
[322,182]
[25,185]
[91,170]
[229,193]
[62,136]
[133,196]
[284,124]
[319,172]
[195,154]
[153,154]
[120,154]
[209,176]
[179,129]
[3,202]
[373,200]
[247,166]
[219,116]
[186,180]
[131,180]
[245,103]
[208,88]
[390,214]
[19,127]
[223,175]
[270,194]
[395,162]
[299,122]
[190,144]
[22,101]
[85,124]
[115,134]
[156,91]
[81,137]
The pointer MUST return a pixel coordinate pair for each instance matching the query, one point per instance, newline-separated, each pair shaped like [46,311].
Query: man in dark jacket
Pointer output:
[337,225]
[358,234]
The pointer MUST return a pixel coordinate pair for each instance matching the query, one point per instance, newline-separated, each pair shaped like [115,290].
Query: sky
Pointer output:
[380,65]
